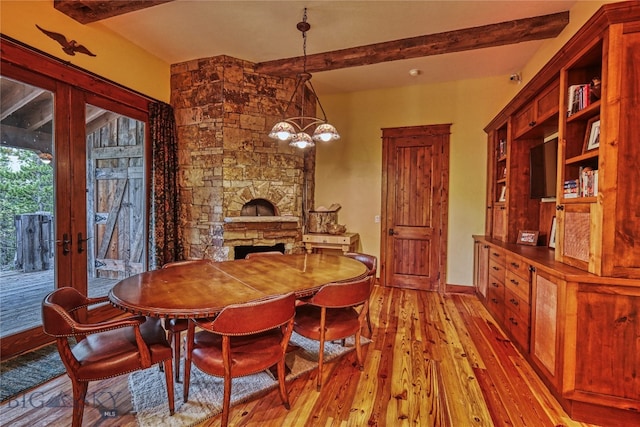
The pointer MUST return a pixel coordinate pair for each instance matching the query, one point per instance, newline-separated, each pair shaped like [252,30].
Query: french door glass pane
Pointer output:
[116,229]
[26,204]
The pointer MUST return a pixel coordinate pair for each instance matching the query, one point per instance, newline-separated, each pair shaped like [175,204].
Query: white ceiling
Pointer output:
[265,30]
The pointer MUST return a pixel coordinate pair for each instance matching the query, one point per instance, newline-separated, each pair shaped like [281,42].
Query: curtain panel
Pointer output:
[165,235]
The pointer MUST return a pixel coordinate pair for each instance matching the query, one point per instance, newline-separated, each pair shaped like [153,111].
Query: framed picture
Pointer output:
[527,237]
[552,234]
[592,135]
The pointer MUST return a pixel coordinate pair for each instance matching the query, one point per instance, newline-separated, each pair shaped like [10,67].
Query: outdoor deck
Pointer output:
[21,296]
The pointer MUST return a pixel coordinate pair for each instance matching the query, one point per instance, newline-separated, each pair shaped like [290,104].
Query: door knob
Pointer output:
[65,243]
[391,232]
[80,243]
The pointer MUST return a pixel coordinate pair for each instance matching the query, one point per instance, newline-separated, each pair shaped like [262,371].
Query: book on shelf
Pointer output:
[579,97]
[570,189]
[588,182]
[502,148]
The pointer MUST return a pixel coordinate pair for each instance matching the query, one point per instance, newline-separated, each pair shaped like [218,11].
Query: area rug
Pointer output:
[149,395]
[25,372]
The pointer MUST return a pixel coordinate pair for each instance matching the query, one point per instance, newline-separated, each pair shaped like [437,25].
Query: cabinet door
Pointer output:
[545,341]
[481,268]
[574,243]
[500,222]
[524,120]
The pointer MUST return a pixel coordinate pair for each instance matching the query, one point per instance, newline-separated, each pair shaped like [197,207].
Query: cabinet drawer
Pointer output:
[517,285]
[517,305]
[495,300]
[496,270]
[497,256]
[518,266]
[518,328]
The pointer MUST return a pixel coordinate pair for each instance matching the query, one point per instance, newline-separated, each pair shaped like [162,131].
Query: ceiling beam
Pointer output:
[504,33]
[87,11]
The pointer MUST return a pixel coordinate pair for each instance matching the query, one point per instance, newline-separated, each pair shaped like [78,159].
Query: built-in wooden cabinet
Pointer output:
[572,308]
[536,113]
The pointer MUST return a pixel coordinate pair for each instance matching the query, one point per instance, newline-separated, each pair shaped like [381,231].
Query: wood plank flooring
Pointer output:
[435,360]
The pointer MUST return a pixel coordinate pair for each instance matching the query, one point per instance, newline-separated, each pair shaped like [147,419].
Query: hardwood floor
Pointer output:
[435,360]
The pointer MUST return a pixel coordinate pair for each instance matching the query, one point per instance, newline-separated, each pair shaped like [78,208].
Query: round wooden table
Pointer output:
[203,290]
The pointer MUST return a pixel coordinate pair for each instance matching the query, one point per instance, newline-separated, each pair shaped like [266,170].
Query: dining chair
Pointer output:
[102,350]
[331,314]
[243,339]
[372,265]
[175,327]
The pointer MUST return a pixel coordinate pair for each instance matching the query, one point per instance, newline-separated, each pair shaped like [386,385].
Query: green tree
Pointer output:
[26,186]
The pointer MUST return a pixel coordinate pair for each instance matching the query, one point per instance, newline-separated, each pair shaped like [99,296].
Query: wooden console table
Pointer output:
[345,242]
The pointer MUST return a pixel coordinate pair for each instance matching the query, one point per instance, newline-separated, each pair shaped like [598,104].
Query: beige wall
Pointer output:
[349,171]
[116,59]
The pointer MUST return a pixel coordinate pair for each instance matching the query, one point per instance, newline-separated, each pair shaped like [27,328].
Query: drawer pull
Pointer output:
[515,265]
[496,254]
[515,282]
[512,320]
[495,268]
[513,301]
[493,300]
[494,284]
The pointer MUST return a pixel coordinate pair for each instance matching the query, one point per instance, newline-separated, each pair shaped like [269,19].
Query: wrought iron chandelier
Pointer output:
[294,129]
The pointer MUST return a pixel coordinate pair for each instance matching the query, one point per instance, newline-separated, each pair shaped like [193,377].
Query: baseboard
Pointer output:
[460,289]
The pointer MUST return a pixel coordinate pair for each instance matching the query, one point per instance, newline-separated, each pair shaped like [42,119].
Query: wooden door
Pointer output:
[414,206]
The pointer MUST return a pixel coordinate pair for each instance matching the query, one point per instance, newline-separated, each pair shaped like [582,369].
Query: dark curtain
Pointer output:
[165,235]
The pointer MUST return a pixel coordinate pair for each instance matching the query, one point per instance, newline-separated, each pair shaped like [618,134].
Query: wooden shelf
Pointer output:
[588,111]
[582,157]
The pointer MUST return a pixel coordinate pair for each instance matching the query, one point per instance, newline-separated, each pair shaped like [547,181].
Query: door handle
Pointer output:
[65,243]
[80,243]
[391,232]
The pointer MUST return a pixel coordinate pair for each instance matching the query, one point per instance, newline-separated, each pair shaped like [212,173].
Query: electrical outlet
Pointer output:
[376,219]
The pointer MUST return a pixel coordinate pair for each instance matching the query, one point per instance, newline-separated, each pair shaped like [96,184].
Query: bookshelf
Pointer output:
[589,278]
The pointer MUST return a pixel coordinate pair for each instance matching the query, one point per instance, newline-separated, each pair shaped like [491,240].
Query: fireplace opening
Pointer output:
[259,207]
[242,251]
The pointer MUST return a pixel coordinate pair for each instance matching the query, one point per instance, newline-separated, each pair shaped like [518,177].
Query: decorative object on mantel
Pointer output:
[336,228]
[321,218]
[294,129]
[69,47]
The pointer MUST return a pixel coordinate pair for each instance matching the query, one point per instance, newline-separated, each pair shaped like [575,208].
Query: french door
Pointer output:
[81,155]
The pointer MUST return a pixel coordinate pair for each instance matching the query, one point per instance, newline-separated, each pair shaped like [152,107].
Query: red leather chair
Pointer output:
[103,350]
[243,339]
[175,327]
[331,315]
[372,264]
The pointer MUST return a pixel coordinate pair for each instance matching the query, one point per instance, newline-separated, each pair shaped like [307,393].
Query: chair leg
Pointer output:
[369,322]
[176,355]
[79,395]
[320,363]
[187,377]
[226,402]
[168,376]
[283,386]
[359,350]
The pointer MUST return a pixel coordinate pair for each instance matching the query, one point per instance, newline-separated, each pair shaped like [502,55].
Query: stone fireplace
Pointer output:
[228,167]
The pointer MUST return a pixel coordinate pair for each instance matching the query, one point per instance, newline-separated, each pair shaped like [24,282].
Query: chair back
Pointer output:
[60,311]
[369,260]
[253,317]
[343,294]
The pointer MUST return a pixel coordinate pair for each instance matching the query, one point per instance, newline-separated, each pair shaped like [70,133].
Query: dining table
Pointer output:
[198,290]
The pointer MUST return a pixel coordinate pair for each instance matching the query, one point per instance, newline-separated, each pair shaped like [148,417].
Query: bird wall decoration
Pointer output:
[69,47]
